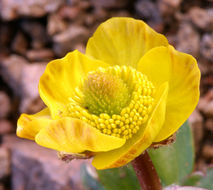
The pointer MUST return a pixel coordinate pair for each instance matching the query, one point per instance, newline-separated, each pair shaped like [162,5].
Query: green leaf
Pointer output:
[89,181]
[207,180]
[198,179]
[193,179]
[123,178]
[174,162]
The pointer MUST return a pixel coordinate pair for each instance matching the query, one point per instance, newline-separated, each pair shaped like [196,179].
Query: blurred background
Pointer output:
[33,32]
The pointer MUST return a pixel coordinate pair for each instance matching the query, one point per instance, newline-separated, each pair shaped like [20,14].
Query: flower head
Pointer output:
[129,90]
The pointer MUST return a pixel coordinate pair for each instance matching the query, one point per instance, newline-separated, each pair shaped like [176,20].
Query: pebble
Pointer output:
[4,163]
[5,105]
[200,18]
[206,47]
[188,39]
[6,127]
[196,123]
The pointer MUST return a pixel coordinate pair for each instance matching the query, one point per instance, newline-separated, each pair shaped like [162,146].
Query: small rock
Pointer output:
[196,123]
[148,11]
[32,105]
[69,12]
[55,24]
[23,78]
[4,162]
[208,151]
[5,35]
[2,186]
[20,43]
[208,110]
[31,74]
[206,47]
[205,104]
[168,8]
[65,41]
[80,47]
[37,32]
[5,127]
[188,39]
[209,124]
[40,55]
[5,105]
[35,167]
[11,71]
[109,4]
[11,9]
[100,15]
[200,18]
[201,165]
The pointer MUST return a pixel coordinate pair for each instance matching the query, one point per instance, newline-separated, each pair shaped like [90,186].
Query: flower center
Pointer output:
[116,100]
[105,93]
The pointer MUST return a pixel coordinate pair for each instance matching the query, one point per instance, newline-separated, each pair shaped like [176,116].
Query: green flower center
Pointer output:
[116,100]
[105,93]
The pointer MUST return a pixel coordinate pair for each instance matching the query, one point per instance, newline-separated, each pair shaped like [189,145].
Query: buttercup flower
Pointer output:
[129,90]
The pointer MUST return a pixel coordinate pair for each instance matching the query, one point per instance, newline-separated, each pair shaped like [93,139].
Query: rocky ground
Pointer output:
[33,32]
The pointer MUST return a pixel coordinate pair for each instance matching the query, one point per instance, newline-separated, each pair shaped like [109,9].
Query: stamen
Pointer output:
[134,108]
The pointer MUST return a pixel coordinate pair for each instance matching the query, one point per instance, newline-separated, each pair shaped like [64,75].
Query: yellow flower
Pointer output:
[129,90]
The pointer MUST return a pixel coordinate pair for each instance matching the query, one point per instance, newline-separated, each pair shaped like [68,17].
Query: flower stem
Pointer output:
[146,173]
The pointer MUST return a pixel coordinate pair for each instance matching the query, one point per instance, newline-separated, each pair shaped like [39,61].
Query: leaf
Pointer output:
[89,181]
[123,178]
[193,179]
[174,162]
[207,180]
[174,187]
[200,180]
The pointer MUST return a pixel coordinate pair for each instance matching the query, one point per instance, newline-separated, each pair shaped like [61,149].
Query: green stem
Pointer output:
[146,172]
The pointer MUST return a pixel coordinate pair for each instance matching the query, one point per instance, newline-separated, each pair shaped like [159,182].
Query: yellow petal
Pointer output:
[181,71]
[30,125]
[62,76]
[123,41]
[140,141]
[75,136]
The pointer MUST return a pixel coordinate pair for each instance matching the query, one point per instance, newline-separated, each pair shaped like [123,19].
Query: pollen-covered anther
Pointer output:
[125,118]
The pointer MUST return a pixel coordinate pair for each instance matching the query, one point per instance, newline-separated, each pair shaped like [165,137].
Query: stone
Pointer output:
[196,123]
[205,104]
[69,12]
[207,151]
[5,36]
[40,55]
[188,39]
[23,78]
[4,163]
[31,74]
[5,127]
[201,165]
[11,72]
[37,31]
[5,105]
[55,24]
[209,124]
[2,186]
[206,47]
[109,4]
[35,167]
[12,9]
[208,110]
[200,18]
[6,33]
[80,47]
[65,41]
[168,8]
[148,11]
[20,43]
